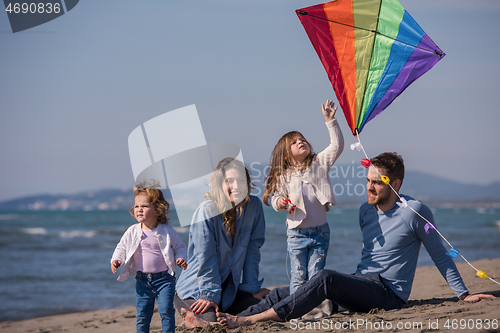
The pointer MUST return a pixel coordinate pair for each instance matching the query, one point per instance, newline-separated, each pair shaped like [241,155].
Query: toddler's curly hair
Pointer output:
[155,197]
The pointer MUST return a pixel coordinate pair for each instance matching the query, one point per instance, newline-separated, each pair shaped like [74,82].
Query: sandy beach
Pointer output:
[432,307]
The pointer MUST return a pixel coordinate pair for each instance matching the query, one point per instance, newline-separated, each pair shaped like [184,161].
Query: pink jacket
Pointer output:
[171,246]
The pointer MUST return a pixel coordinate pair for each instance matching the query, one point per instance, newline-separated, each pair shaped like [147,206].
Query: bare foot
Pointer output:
[230,321]
[190,320]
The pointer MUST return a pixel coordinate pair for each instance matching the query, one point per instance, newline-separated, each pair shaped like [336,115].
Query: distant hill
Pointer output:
[107,199]
[348,185]
[426,187]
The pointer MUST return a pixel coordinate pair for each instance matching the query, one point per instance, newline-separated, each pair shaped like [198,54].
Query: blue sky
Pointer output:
[74,88]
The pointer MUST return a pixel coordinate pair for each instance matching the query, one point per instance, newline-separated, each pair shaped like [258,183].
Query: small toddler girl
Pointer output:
[149,250]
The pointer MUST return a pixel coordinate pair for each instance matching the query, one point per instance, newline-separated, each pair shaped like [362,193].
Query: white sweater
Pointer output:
[316,176]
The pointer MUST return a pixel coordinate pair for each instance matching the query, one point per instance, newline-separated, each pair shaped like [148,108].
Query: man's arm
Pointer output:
[445,264]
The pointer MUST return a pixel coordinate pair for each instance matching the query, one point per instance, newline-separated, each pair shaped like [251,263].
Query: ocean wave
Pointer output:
[481,210]
[77,233]
[34,231]
[9,216]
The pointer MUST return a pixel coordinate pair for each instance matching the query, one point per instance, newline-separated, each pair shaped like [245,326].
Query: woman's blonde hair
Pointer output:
[281,161]
[218,195]
[155,197]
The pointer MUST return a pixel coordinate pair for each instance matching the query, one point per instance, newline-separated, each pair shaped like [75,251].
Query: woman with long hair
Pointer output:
[224,248]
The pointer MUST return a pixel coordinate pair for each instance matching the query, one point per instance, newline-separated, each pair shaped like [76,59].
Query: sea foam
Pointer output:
[34,231]
[77,233]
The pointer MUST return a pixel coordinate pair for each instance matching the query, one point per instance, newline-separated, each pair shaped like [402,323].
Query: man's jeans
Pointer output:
[307,249]
[358,292]
[151,286]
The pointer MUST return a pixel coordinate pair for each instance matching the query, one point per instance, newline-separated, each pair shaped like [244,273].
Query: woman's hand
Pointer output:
[329,110]
[202,305]
[115,265]
[261,294]
[181,263]
[281,203]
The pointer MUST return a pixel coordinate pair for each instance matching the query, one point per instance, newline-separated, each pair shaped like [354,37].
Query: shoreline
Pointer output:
[432,304]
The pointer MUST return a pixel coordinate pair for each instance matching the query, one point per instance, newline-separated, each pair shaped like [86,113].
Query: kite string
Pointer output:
[423,218]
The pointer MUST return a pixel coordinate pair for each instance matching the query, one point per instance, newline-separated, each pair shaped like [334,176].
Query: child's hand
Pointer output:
[115,265]
[329,110]
[181,263]
[281,203]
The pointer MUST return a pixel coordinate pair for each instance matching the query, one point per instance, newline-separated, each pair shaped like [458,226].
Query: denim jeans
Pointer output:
[358,292]
[148,288]
[307,249]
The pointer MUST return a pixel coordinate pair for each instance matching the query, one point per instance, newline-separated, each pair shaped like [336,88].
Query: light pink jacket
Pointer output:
[171,247]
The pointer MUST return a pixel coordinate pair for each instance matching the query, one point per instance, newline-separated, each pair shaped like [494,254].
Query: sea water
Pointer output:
[58,262]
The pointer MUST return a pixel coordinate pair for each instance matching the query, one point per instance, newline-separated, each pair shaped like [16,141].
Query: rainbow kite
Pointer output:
[371,50]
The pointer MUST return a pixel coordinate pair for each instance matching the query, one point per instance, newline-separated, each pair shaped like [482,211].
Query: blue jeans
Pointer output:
[307,249]
[148,288]
[357,292]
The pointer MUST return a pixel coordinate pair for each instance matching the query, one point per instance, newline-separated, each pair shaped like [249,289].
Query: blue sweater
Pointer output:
[213,257]
[391,244]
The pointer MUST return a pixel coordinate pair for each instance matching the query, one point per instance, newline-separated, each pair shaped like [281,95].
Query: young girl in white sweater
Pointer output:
[298,180]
